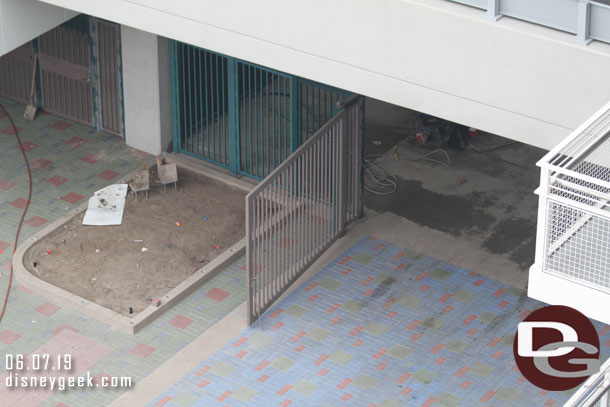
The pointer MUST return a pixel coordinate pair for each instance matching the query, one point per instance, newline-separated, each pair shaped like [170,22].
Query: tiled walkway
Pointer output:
[69,162]
[380,326]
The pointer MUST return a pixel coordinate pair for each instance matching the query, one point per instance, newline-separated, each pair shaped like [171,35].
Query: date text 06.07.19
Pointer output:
[37,361]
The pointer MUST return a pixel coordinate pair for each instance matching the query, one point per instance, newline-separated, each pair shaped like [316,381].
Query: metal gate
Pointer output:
[108,61]
[303,206]
[318,105]
[16,73]
[201,103]
[78,73]
[65,71]
[242,116]
[265,112]
[303,139]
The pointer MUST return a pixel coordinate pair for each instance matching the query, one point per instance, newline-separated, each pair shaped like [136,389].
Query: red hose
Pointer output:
[27,205]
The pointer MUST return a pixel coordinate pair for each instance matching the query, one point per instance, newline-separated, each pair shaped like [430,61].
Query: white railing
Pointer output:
[575,192]
[572,265]
[595,391]
[587,19]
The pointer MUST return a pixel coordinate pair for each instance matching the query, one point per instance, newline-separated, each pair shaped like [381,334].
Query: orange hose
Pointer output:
[27,205]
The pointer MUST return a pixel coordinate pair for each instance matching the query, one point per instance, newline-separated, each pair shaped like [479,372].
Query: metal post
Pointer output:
[173,75]
[94,74]
[295,107]
[541,231]
[37,84]
[342,173]
[360,144]
[582,26]
[121,92]
[249,263]
[234,158]
[493,10]
[604,400]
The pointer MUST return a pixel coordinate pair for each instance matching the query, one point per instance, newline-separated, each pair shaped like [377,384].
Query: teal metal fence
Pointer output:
[200,99]
[242,116]
[318,104]
[264,119]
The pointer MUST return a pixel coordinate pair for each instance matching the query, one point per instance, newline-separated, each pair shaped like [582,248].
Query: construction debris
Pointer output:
[167,173]
[106,206]
[484,142]
[143,222]
[30,109]
[140,182]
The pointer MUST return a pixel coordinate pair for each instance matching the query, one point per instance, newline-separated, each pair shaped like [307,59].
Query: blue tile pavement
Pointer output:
[380,326]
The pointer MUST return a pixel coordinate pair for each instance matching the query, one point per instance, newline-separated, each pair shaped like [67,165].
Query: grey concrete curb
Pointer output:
[212,171]
[114,319]
[180,364]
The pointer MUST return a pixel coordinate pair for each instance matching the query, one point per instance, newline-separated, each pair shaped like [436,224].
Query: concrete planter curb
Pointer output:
[150,313]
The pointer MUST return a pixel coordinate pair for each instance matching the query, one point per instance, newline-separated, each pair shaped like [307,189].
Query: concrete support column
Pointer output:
[584,17]
[493,10]
[146,90]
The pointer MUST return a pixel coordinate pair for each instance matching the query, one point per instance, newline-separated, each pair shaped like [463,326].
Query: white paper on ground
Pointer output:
[106,206]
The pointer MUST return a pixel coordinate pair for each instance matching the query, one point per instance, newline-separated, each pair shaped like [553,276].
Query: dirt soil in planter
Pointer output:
[146,256]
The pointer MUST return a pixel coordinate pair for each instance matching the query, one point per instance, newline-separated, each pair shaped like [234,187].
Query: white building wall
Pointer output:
[145,60]
[24,20]
[512,78]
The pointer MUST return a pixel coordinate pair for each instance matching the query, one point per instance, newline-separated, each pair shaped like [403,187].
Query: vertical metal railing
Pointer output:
[595,392]
[303,206]
[16,73]
[65,61]
[318,104]
[202,119]
[109,68]
[574,222]
[264,118]
[242,116]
